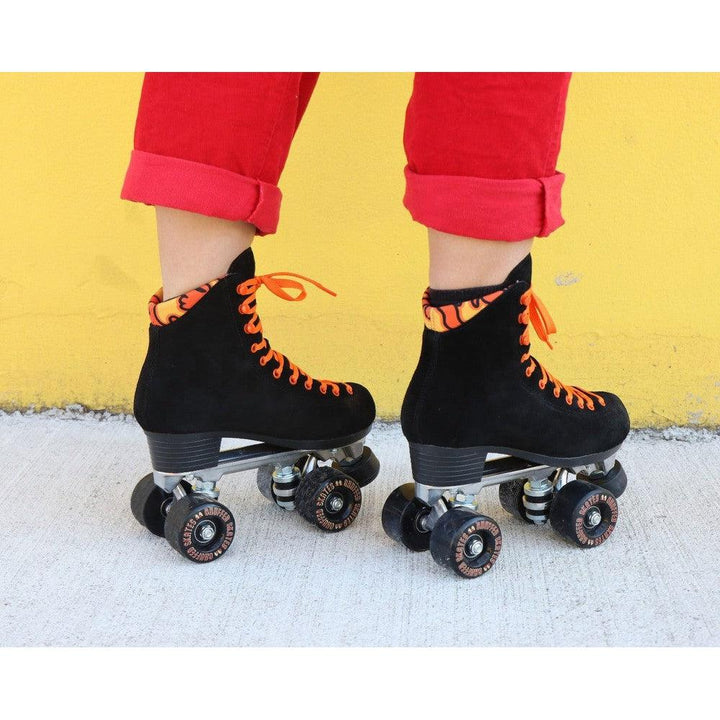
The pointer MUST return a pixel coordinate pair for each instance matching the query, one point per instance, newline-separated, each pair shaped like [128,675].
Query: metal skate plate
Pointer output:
[251,457]
[497,471]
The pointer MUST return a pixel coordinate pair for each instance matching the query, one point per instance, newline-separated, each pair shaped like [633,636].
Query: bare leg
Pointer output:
[197,248]
[461,262]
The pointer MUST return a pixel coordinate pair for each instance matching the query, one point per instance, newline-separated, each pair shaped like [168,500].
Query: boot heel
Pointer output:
[446,467]
[183,453]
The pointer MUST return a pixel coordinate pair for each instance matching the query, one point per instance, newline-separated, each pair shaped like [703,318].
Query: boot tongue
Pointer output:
[243,265]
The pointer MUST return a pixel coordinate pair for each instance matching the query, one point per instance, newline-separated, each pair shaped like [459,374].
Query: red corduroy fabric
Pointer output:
[216,143]
[481,148]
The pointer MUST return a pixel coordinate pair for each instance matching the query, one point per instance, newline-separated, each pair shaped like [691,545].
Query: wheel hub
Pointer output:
[334,503]
[474,546]
[205,531]
[593,517]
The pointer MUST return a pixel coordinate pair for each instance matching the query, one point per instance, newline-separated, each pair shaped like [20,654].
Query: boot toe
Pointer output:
[616,418]
[363,410]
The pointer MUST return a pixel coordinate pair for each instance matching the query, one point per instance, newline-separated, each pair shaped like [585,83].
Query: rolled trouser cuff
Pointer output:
[485,208]
[205,189]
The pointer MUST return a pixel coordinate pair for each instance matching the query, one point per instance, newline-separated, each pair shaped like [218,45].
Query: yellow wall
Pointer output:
[640,242]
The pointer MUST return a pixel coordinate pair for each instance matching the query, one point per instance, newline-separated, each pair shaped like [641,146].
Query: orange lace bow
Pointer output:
[279,286]
[536,313]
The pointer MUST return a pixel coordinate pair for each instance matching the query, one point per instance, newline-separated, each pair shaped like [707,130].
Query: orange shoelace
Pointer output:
[279,286]
[537,314]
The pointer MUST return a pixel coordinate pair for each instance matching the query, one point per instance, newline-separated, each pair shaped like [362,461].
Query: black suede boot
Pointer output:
[476,385]
[477,390]
[210,374]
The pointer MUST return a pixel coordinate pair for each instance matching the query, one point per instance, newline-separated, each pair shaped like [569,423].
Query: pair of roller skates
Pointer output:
[476,391]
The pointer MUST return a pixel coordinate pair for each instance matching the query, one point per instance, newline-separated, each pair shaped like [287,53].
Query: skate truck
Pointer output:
[439,511]
[179,499]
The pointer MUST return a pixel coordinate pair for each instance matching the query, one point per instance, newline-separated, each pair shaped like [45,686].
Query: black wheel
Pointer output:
[465,542]
[149,504]
[328,498]
[511,498]
[200,529]
[402,518]
[584,513]
[363,470]
[615,481]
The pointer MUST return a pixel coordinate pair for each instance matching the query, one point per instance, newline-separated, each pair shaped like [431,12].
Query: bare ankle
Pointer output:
[196,248]
[461,262]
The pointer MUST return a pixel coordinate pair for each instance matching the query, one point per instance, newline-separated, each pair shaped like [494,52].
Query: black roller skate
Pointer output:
[477,390]
[210,374]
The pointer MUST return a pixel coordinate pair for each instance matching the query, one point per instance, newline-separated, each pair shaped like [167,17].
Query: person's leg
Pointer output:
[482,149]
[209,151]
[463,262]
[196,248]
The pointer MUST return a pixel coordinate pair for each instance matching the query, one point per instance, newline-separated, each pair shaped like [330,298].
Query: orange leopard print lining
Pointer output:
[164,312]
[448,317]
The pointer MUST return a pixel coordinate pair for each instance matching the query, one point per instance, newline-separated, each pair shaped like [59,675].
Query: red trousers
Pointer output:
[481,148]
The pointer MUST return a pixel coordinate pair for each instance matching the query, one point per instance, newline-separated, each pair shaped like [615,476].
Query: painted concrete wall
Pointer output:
[631,279]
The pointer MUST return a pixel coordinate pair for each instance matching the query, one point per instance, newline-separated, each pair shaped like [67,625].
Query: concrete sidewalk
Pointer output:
[76,568]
